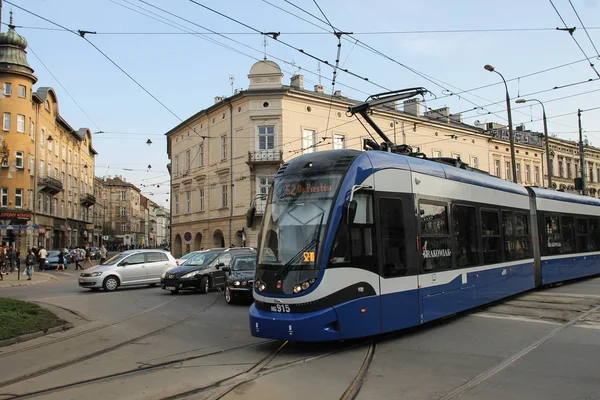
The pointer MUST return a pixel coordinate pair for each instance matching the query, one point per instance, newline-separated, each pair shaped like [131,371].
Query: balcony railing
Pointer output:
[50,185]
[88,200]
[260,205]
[265,156]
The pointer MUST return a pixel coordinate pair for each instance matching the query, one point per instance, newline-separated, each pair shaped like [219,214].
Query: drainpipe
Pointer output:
[230,166]
[35,174]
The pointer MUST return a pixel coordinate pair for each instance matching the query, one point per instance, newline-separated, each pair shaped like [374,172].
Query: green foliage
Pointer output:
[20,317]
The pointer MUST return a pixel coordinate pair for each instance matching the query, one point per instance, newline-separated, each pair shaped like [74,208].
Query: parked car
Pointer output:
[240,277]
[131,267]
[202,272]
[189,255]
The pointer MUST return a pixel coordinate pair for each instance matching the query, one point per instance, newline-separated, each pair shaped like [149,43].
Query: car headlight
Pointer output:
[96,274]
[236,283]
[163,275]
[244,283]
[189,275]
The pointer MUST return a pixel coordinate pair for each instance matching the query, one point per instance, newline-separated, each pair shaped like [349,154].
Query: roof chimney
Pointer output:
[440,114]
[319,88]
[297,81]
[412,106]
[219,99]
[337,93]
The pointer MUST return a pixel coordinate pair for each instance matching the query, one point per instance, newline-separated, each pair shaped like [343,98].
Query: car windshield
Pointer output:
[188,255]
[53,253]
[200,259]
[246,263]
[115,259]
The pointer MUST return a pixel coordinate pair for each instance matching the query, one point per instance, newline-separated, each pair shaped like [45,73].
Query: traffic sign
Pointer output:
[17,227]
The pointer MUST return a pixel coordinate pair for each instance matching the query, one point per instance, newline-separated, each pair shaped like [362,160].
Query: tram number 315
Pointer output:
[281,308]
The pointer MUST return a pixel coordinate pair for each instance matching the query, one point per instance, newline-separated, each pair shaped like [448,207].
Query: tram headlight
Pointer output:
[297,289]
[262,287]
[305,285]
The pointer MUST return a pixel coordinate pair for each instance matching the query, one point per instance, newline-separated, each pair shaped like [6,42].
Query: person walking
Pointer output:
[102,254]
[78,256]
[11,259]
[29,263]
[18,259]
[2,263]
[88,256]
[61,260]
[42,253]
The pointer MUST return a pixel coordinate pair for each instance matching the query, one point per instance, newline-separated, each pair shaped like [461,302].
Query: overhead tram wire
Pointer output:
[62,86]
[584,28]
[571,31]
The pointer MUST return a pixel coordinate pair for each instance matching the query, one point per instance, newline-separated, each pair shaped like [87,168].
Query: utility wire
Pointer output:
[571,31]
[585,30]
[325,16]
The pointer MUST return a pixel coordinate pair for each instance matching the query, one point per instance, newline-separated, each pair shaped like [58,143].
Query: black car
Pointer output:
[201,272]
[240,277]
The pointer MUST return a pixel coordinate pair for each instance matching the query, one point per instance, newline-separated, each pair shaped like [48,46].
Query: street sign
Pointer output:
[187,237]
[17,227]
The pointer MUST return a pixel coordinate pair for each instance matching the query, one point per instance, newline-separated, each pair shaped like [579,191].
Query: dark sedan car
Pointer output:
[240,277]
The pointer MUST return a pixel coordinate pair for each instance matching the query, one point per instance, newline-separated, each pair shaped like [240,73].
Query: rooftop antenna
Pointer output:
[318,70]
[231,80]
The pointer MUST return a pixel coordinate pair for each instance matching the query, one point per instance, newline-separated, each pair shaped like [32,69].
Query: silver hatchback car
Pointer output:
[131,267]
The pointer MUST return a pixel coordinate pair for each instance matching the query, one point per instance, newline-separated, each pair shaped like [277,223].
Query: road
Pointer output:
[144,343]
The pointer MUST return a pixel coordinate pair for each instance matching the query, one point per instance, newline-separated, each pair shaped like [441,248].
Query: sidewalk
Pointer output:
[10,280]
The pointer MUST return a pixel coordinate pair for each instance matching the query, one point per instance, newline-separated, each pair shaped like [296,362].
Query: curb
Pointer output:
[35,335]
[26,283]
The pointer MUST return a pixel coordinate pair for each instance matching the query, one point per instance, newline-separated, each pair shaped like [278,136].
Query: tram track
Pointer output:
[86,331]
[106,350]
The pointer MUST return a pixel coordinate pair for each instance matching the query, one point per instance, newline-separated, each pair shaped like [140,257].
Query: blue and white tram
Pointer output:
[357,243]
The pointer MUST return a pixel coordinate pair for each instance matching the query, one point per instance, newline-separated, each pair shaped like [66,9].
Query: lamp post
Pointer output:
[548,160]
[511,135]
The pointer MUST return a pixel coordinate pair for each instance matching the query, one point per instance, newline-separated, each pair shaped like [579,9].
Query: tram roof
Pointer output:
[544,193]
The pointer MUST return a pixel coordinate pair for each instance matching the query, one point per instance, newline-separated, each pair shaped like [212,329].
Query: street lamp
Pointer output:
[511,135]
[548,160]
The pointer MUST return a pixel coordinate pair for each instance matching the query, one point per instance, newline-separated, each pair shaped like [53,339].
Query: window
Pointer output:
[31,165]
[518,165]
[4,199]
[339,142]
[188,202]
[435,242]
[490,237]
[508,172]
[55,207]
[30,199]
[224,196]
[517,243]
[585,242]
[48,205]
[466,239]
[474,162]
[123,227]
[201,154]
[591,174]
[7,88]
[40,203]
[266,137]
[32,129]
[201,199]
[536,174]
[47,105]
[223,147]
[62,208]
[560,169]
[188,159]
[18,198]
[156,257]
[176,212]
[393,240]
[124,195]
[437,154]
[123,211]
[42,137]
[42,168]
[456,155]
[309,139]
[19,160]
[5,161]
[22,91]
[6,124]
[497,168]
[527,173]
[20,123]
[177,166]
[567,227]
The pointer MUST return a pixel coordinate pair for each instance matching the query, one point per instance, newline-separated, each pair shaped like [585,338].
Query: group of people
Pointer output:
[11,259]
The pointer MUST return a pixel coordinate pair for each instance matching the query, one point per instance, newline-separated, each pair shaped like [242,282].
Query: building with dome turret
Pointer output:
[46,165]
[224,157]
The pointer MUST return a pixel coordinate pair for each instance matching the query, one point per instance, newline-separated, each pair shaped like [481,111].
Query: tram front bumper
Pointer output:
[318,326]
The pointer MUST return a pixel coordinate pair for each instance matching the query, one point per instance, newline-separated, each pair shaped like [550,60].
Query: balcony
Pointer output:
[265,157]
[88,200]
[260,205]
[49,185]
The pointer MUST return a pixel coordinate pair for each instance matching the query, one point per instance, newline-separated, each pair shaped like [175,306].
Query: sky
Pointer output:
[184,55]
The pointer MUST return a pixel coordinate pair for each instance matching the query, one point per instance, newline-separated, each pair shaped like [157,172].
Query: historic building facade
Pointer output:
[223,158]
[47,166]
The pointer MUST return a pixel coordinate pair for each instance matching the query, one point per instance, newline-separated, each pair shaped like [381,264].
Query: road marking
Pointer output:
[515,318]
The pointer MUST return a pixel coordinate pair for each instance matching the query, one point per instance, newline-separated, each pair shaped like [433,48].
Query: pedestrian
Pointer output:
[79,255]
[42,253]
[61,260]
[88,256]
[29,263]
[102,254]
[18,259]
[11,259]
[2,263]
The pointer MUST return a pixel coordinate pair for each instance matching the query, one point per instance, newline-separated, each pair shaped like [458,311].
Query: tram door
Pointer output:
[398,269]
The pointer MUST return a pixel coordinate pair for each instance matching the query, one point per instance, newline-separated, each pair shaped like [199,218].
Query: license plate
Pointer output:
[170,287]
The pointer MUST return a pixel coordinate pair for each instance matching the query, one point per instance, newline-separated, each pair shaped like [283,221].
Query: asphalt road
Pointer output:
[144,343]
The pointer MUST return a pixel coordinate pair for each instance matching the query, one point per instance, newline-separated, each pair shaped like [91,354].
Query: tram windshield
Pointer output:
[297,210]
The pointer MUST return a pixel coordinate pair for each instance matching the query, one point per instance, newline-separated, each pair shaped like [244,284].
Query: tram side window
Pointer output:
[584,239]
[517,243]
[490,237]
[553,235]
[594,235]
[465,236]
[435,239]
[391,221]
[354,245]
[567,225]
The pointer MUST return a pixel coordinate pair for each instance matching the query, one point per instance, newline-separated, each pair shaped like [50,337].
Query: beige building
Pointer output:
[223,157]
[119,209]
[566,166]
[47,166]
